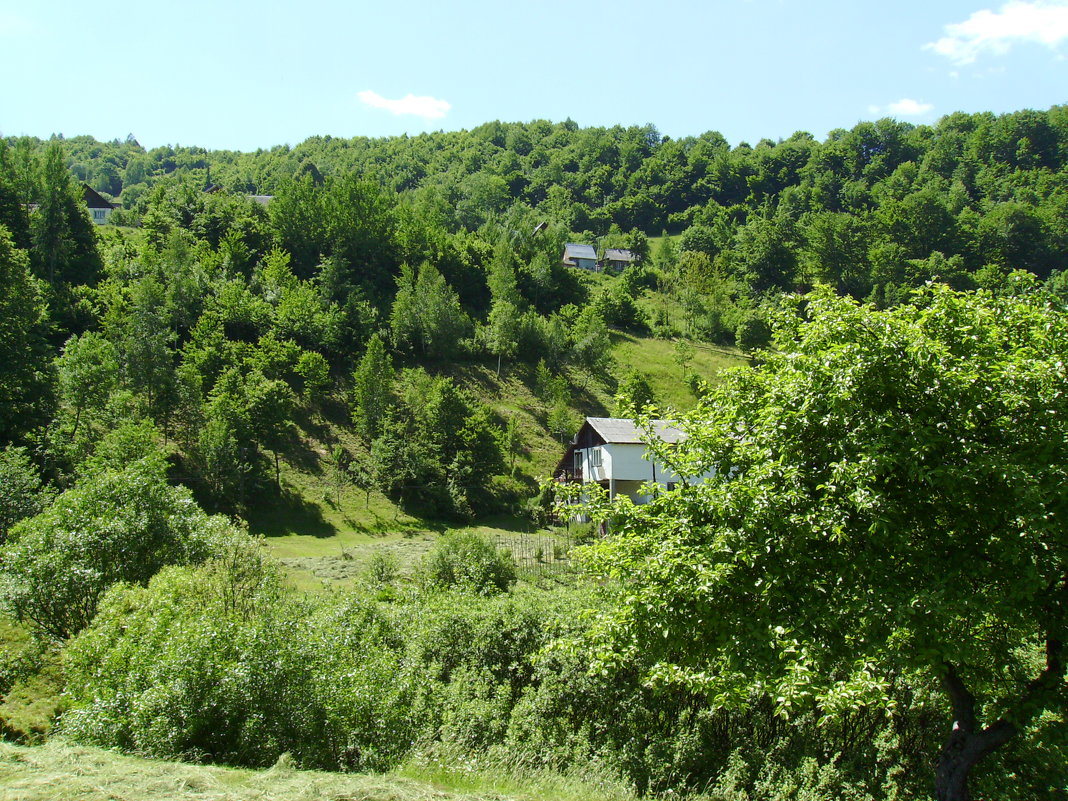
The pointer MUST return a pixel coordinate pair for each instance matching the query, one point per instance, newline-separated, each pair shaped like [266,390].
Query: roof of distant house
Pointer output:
[573,251]
[263,200]
[624,431]
[617,254]
[94,200]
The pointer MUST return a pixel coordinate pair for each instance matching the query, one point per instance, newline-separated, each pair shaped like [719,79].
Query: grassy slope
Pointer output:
[324,533]
[61,772]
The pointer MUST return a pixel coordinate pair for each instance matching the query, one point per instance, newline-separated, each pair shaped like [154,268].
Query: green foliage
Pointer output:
[464,559]
[121,522]
[21,493]
[752,333]
[635,396]
[383,568]
[868,476]
[24,373]
[64,245]
[427,319]
[88,371]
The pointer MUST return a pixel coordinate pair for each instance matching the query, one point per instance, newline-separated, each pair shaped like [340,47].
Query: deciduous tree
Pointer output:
[890,496]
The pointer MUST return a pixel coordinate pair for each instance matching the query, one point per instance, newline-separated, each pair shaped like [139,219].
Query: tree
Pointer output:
[635,395]
[270,409]
[115,525]
[24,368]
[752,334]
[21,494]
[427,317]
[372,389]
[64,242]
[502,330]
[890,496]
[88,371]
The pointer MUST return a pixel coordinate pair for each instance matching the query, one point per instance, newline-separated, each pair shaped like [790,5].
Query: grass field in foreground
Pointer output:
[59,771]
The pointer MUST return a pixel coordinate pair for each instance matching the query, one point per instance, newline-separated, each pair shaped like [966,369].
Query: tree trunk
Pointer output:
[967,743]
[960,754]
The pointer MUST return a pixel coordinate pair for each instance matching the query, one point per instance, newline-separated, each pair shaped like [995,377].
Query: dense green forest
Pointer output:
[349,307]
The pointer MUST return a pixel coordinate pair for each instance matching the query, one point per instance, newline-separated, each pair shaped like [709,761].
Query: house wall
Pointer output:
[100,216]
[586,264]
[622,463]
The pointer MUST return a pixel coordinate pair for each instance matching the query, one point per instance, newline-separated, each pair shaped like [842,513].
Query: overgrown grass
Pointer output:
[31,684]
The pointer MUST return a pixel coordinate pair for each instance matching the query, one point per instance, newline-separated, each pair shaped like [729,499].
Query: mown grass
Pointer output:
[60,771]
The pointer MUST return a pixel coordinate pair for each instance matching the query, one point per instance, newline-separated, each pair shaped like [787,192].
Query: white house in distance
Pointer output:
[582,256]
[99,208]
[611,452]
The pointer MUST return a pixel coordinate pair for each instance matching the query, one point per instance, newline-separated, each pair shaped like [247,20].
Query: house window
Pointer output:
[578,460]
[671,485]
[595,457]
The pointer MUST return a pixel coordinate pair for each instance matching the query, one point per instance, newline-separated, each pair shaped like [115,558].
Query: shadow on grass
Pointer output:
[288,514]
[516,524]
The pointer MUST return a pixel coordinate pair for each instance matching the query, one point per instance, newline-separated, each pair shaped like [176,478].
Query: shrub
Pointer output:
[382,567]
[114,525]
[753,333]
[464,559]
[20,489]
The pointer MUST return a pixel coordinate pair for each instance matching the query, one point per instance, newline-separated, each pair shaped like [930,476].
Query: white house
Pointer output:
[612,452]
[99,208]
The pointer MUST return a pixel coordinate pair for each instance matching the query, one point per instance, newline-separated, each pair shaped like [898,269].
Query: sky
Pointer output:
[242,75]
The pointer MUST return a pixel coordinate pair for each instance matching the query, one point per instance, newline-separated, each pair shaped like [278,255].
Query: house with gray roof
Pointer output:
[617,259]
[613,453]
[584,257]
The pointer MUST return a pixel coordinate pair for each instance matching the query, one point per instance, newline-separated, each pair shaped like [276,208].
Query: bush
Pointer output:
[382,568]
[753,333]
[21,494]
[464,559]
[114,525]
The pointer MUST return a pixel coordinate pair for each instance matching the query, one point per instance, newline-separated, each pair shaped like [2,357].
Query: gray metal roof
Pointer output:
[622,430]
[572,251]
[616,254]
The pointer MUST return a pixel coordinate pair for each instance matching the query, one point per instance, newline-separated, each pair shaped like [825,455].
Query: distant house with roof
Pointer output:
[584,257]
[613,453]
[617,259]
[99,208]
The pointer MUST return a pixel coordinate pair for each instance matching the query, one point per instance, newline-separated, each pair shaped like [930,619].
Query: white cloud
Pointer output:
[429,108]
[1042,22]
[905,107]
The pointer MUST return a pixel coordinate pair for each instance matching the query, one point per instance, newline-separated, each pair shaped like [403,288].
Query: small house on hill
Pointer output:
[582,256]
[617,260]
[612,452]
[99,208]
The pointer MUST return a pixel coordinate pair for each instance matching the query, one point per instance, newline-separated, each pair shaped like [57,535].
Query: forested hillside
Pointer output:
[906,191]
[348,331]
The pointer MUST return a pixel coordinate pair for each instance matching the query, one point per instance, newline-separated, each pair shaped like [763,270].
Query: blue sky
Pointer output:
[240,75]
